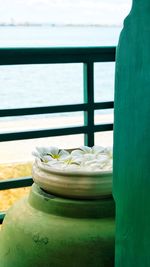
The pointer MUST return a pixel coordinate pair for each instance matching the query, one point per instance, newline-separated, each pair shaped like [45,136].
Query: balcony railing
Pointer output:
[84,55]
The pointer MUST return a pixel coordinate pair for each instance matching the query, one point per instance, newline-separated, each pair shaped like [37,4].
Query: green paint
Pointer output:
[88,78]
[132,139]
[45,230]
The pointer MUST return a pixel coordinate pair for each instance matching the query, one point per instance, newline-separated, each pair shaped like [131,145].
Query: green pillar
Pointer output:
[131,186]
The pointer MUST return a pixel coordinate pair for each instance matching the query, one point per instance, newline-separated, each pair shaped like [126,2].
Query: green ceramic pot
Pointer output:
[45,230]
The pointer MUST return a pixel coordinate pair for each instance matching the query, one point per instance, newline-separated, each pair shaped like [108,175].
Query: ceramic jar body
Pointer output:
[44,230]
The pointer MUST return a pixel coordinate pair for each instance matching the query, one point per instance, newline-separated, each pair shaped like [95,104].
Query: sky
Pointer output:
[65,11]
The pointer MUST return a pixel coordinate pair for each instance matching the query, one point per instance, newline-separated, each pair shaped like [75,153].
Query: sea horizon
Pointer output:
[36,24]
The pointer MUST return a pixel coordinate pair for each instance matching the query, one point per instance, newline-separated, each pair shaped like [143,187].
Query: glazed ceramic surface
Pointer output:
[45,230]
[74,184]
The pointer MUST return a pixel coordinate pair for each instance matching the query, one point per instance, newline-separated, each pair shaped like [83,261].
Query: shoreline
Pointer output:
[21,151]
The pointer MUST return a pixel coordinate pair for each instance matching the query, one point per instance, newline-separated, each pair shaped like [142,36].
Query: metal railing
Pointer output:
[85,55]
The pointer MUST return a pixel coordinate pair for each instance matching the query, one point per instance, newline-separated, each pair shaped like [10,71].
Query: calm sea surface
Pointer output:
[42,85]
[39,85]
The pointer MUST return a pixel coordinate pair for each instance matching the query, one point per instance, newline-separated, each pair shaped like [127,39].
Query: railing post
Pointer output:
[88,69]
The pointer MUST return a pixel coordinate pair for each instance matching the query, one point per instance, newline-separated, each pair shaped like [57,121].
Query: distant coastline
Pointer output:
[30,24]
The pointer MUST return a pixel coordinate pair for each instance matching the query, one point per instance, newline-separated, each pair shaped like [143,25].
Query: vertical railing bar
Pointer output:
[88,76]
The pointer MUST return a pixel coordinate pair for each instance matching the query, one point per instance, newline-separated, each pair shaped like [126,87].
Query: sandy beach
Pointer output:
[21,151]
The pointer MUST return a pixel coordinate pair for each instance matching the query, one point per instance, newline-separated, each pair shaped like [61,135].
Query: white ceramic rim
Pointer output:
[47,168]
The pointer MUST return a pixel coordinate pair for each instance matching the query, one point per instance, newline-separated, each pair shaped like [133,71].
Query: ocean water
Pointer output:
[42,85]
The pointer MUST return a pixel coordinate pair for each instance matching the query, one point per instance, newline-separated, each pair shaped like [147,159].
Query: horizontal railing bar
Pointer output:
[53,109]
[15,56]
[11,136]
[103,127]
[15,136]
[43,110]
[104,105]
[15,183]
[2,215]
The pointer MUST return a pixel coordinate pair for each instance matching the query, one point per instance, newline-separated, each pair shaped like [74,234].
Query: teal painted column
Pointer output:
[131,186]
